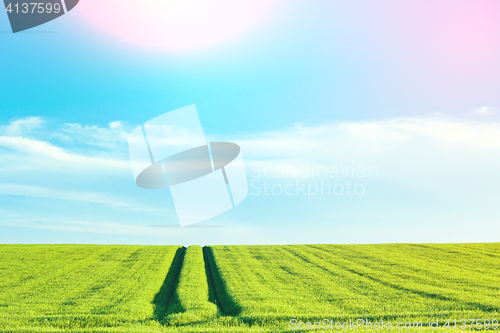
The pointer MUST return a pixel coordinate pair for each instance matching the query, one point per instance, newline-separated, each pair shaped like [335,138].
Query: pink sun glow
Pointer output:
[174,24]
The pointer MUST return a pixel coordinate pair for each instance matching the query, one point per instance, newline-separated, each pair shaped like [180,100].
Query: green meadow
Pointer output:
[294,288]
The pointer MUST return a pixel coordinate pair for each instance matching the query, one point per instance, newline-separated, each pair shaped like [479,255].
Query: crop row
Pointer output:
[84,288]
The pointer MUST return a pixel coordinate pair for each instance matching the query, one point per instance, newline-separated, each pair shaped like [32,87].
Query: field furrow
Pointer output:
[190,302]
[92,286]
[273,284]
[85,288]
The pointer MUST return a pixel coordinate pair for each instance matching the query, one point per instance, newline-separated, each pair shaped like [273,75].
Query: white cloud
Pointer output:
[22,126]
[24,153]
[484,111]
[372,139]
[46,192]
[112,138]
[115,124]
[27,164]
[163,234]
[431,155]
[75,225]
[69,148]
[406,149]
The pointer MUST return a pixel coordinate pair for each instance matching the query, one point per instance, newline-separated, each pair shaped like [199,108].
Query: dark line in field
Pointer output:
[164,298]
[304,258]
[211,290]
[480,306]
[218,293]
[361,258]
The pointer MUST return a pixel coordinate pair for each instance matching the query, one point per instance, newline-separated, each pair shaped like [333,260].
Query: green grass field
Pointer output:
[91,288]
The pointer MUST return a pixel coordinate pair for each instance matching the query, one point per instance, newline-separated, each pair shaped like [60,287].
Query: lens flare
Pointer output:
[175,24]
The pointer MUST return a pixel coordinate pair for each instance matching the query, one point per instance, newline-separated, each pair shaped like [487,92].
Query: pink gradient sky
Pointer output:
[174,24]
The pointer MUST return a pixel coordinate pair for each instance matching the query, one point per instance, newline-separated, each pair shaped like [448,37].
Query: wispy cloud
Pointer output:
[75,225]
[22,126]
[107,199]
[24,153]
[32,167]
[29,144]
[484,111]
[432,156]
[377,139]
[113,137]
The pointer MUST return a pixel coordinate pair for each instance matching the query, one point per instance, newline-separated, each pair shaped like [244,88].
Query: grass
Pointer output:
[89,288]
[273,284]
[192,302]
[78,286]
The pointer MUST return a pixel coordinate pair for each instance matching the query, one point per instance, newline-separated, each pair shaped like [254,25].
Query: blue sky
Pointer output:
[412,93]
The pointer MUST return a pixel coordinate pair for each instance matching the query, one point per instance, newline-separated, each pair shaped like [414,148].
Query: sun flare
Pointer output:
[174,24]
